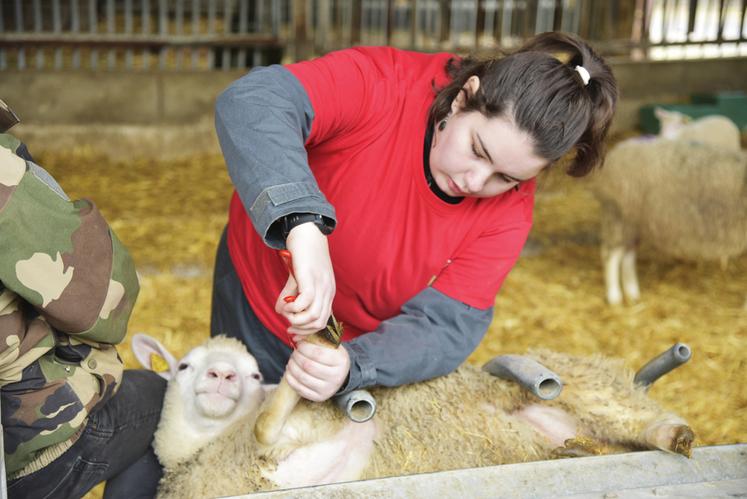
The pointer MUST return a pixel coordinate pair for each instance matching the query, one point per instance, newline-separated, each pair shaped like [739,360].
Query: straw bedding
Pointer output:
[170,215]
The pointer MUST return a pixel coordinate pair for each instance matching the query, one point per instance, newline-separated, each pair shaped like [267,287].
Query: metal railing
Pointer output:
[139,34]
[224,34]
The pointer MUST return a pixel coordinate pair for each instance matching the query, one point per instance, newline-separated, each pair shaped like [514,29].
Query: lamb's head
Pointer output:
[670,122]
[217,382]
[211,387]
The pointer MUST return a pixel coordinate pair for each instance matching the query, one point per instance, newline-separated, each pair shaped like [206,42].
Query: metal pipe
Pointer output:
[529,373]
[662,364]
[359,405]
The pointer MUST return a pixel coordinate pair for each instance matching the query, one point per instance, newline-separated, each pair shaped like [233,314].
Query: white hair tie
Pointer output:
[585,76]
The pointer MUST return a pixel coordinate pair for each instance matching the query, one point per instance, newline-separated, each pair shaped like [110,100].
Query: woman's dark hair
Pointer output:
[539,89]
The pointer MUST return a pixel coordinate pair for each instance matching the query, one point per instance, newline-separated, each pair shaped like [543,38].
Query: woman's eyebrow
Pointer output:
[485,150]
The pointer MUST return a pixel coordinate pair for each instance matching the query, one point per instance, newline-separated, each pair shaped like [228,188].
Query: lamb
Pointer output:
[466,419]
[716,130]
[211,388]
[688,199]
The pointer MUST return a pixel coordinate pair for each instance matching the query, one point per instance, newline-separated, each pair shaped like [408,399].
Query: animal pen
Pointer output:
[115,98]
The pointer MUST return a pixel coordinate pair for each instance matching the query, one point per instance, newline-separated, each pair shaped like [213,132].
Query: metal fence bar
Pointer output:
[276,14]
[21,62]
[195,31]
[242,29]
[179,30]
[145,30]
[162,29]
[259,12]
[93,28]
[128,29]
[39,57]
[110,28]
[238,33]
[225,52]
[545,16]
[211,31]
[259,27]
[476,23]
[75,28]
[57,28]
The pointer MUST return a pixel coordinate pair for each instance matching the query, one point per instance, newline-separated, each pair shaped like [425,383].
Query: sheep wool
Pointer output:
[466,419]
[718,131]
[687,199]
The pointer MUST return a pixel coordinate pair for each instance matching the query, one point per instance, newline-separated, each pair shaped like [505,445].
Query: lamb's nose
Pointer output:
[227,374]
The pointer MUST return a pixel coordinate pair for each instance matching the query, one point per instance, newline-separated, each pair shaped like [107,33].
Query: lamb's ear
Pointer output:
[660,113]
[145,347]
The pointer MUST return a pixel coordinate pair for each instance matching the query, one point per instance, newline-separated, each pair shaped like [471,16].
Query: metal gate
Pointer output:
[225,34]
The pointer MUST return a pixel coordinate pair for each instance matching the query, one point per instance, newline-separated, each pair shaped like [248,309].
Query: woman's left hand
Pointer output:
[316,372]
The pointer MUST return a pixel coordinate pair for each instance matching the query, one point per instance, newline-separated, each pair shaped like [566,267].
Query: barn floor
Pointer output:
[170,215]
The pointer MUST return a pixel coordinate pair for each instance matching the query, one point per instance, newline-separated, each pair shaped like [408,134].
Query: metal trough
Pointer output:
[717,471]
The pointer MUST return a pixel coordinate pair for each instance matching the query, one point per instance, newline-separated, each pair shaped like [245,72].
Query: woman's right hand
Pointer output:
[314,282]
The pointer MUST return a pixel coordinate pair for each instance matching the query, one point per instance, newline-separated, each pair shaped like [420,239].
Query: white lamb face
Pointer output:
[219,382]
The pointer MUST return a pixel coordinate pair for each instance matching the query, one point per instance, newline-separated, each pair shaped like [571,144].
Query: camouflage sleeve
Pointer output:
[61,257]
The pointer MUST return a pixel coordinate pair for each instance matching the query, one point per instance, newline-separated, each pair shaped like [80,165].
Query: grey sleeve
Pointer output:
[432,336]
[262,121]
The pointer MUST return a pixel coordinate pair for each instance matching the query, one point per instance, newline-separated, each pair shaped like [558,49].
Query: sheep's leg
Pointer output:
[670,434]
[581,447]
[561,431]
[553,423]
[608,406]
[630,276]
[612,259]
[632,420]
[338,459]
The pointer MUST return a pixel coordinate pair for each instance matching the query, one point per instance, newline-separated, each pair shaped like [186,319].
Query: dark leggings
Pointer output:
[115,446]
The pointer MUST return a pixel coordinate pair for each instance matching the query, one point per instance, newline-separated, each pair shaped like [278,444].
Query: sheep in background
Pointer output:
[716,130]
[466,419]
[687,199]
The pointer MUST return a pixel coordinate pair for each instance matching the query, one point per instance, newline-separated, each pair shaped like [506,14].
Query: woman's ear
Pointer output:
[467,91]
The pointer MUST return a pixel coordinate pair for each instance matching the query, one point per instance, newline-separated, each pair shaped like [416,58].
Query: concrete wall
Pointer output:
[162,115]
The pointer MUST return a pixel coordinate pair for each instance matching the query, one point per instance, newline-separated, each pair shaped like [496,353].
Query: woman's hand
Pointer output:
[316,372]
[314,282]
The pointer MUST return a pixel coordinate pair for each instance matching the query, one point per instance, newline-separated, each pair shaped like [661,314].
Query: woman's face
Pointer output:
[477,156]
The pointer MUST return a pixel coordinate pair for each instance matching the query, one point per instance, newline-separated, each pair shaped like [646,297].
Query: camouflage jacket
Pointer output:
[67,288]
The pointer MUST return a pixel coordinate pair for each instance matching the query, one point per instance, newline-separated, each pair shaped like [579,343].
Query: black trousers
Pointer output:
[115,446]
[232,315]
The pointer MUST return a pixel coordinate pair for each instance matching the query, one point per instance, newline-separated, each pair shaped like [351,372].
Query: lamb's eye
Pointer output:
[183,366]
[257,376]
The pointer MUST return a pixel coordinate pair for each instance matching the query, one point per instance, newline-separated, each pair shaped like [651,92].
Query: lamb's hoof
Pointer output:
[682,442]
[672,437]
[579,447]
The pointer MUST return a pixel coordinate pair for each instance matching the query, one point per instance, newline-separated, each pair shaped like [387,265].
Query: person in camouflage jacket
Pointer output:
[67,289]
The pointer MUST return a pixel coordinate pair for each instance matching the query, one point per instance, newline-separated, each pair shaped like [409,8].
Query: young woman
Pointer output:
[403,185]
